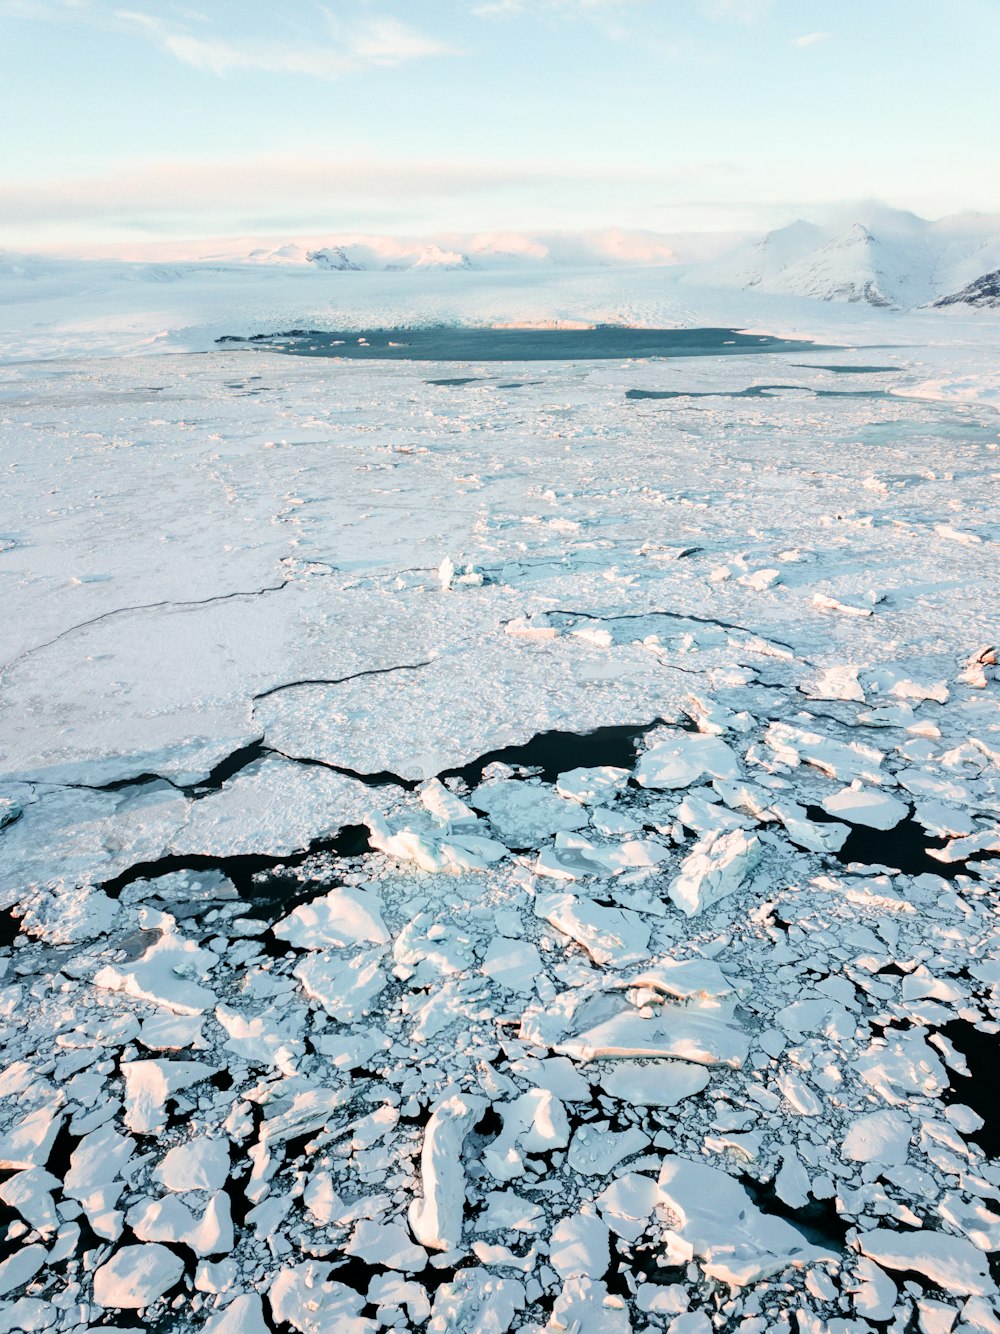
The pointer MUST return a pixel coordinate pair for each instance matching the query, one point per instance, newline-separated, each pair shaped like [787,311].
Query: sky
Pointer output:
[150,121]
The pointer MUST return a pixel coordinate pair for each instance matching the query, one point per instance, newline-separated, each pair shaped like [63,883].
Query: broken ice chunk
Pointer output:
[243,1315]
[164,975]
[879,1137]
[660,1084]
[265,1039]
[809,834]
[835,683]
[344,916]
[386,1244]
[525,814]
[596,1149]
[592,787]
[580,1245]
[170,1220]
[305,1297]
[136,1276]
[614,936]
[344,987]
[506,1211]
[684,759]
[30,1193]
[952,1263]
[436,1219]
[685,1032]
[716,866]
[877,810]
[200,1164]
[826,603]
[627,1204]
[448,809]
[452,854]
[148,1085]
[841,760]
[712,1218]
[535,1122]
[515,964]
[29,1141]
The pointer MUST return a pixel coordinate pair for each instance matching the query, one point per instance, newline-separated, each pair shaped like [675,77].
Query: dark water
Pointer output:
[550,754]
[980,1089]
[756,391]
[605,342]
[847,370]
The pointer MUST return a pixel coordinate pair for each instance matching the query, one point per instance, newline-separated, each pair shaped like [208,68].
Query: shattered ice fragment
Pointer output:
[716,866]
[346,988]
[712,1219]
[627,1204]
[580,1245]
[148,1085]
[136,1276]
[305,1297]
[386,1244]
[165,975]
[613,936]
[536,1122]
[684,759]
[826,603]
[810,834]
[585,1306]
[952,1263]
[344,916]
[29,1141]
[448,809]
[683,1032]
[453,854]
[835,683]
[661,1084]
[525,814]
[21,1267]
[877,810]
[842,760]
[882,1137]
[515,964]
[595,1148]
[170,1220]
[436,1219]
[476,1300]
[243,1315]
[592,787]
[200,1164]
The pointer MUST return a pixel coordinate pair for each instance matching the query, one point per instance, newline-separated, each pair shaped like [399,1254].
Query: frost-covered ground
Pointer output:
[500,855]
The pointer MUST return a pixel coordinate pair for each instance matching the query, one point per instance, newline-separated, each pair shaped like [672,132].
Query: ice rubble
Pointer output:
[657,1039]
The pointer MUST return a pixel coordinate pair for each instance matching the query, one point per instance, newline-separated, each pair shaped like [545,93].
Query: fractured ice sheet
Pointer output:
[323,1008]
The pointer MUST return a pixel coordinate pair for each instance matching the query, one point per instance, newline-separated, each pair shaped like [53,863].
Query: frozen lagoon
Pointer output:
[610,1043]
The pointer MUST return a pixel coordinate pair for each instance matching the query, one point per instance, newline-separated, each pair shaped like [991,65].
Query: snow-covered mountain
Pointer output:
[885,257]
[874,256]
[489,250]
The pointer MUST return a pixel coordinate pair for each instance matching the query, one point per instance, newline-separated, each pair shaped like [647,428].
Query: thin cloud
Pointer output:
[489,9]
[744,11]
[379,43]
[812,38]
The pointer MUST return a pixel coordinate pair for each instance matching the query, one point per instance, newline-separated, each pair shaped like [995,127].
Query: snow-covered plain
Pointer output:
[501,855]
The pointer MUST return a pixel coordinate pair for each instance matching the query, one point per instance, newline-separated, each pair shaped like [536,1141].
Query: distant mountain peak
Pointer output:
[982,292]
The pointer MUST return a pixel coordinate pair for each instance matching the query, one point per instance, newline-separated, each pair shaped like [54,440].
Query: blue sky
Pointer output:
[245,117]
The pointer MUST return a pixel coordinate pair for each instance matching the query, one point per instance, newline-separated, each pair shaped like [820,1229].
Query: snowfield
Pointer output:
[510,854]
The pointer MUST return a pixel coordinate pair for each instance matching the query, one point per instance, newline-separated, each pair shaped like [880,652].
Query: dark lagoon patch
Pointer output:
[605,342]
[757,391]
[847,370]
[456,381]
